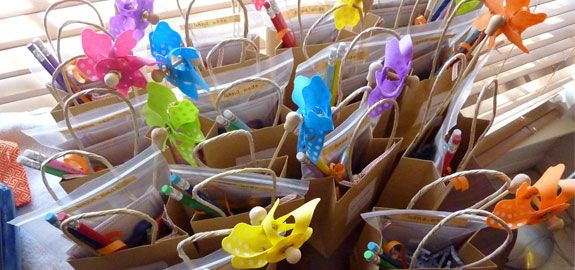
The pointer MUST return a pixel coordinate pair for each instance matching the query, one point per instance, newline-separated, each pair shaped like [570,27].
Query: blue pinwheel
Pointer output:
[165,44]
[312,97]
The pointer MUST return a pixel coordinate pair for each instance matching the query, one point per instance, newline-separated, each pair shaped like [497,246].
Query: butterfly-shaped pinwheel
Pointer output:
[254,246]
[133,15]
[180,117]
[347,15]
[519,211]
[517,16]
[111,62]
[166,44]
[397,60]
[313,99]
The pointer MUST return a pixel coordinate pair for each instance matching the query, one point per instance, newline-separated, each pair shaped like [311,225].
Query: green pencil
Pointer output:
[178,196]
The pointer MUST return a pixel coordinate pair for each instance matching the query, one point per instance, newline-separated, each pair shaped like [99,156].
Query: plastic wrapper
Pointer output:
[115,189]
[409,226]
[218,259]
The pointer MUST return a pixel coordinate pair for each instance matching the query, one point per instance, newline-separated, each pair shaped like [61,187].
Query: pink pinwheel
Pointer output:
[259,4]
[397,61]
[111,61]
[133,15]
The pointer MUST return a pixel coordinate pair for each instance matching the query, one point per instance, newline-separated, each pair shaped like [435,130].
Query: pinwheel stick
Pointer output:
[292,121]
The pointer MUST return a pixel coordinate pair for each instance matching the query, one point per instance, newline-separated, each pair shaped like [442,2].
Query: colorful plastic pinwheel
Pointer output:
[517,16]
[254,246]
[466,7]
[313,99]
[166,44]
[259,4]
[347,15]
[398,56]
[111,61]
[180,117]
[519,211]
[133,15]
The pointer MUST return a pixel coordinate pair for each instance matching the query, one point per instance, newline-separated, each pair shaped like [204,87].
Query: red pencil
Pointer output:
[287,36]
[452,146]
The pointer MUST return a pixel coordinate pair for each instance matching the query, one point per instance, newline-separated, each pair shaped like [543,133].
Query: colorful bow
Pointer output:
[313,99]
[466,7]
[397,59]
[347,15]
[166,44]
[259,4]
[517,16]
[180,117]
[111,62]
[254,246]
[133,15]
[519,211]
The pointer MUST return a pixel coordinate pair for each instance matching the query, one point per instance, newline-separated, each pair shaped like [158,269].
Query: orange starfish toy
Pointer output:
[518,212]
[517,16]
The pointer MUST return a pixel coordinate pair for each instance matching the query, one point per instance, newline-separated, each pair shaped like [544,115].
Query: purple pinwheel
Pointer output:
[398,55]
[133,15]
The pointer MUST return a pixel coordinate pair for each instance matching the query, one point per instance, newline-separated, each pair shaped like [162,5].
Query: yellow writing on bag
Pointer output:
[120,185]
[319,9]
[431,220]
[357,55]
[213,22]
[242,90]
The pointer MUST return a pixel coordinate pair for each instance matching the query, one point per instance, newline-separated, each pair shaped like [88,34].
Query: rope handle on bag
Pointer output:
[73,97]
[364,90]
[321,18]
[43,165]
[197,237]
[360,124]
[52,87]
[221,44]
[472,142]
[75,219]
[228,173]
[447,179]
[451,216]
[58,3]
[274,85]
[426,125]
[353,43]
[187,29]
[245,133]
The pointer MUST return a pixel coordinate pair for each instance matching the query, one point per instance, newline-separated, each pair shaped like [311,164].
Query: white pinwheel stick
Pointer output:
[293,120]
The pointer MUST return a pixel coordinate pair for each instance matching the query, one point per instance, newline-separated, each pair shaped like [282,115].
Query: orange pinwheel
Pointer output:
[517,16]
[518,212]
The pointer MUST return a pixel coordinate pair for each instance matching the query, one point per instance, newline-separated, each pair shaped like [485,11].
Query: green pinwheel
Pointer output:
[179,117]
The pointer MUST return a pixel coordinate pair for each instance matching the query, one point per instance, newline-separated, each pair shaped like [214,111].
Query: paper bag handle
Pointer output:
[245,133]
[353,43]
[321,18]
[79,143]
[221,44]
[99,158]
[472,142]
[426,125]
[232,172]
[73,219]
[443,33]
[451,216]
[278,89]
[197,237]
[187,29]
[447,179]
[360,124]
[58,3]
[58,71]
[364,90]
[61,28]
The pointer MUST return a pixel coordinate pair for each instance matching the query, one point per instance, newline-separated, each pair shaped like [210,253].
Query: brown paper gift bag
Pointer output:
[202,224]
[159,250]
[339,216]
[469,254]
[421,172]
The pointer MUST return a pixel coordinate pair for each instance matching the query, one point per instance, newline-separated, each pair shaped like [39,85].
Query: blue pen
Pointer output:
[440,9]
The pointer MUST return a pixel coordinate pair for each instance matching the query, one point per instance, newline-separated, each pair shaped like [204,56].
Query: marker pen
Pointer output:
[371,257]
[178,196]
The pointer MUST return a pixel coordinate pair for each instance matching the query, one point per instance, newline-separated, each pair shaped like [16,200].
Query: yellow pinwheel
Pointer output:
[347,15]
[254,246]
